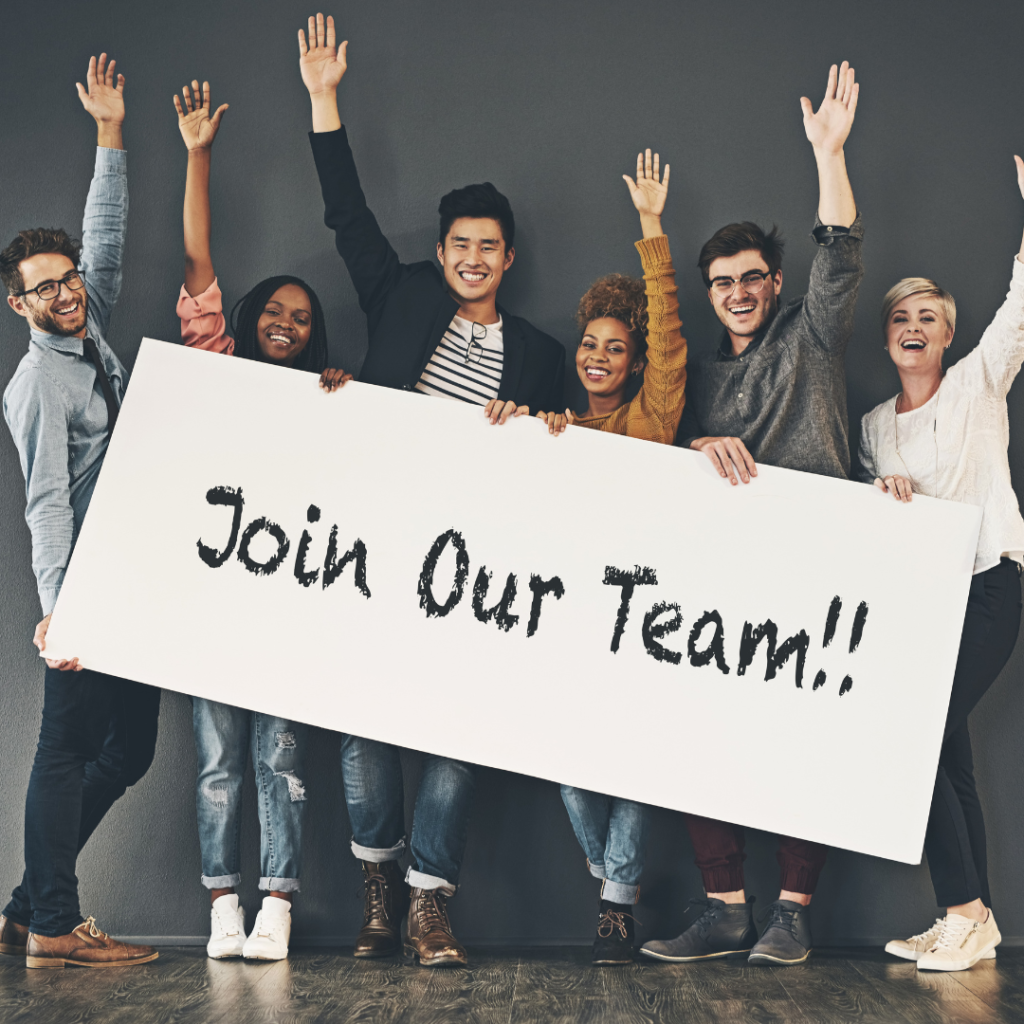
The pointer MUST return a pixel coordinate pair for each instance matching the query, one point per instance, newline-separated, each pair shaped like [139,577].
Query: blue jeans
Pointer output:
[613,834]
[97,738]
[372,774]
[225,737]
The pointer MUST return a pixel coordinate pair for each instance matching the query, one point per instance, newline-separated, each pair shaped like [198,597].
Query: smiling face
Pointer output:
[917,333]
[606,357]
[744,313]
[284,326]
[65,313]
[474,259]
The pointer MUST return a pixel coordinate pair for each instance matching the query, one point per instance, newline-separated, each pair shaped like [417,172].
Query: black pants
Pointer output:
[97,739]
[955,840]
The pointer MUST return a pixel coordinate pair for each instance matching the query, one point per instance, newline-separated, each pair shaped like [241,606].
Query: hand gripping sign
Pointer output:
[257,541]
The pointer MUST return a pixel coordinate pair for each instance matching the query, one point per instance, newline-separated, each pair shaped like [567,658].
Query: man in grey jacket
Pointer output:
[774,393]
[98,732]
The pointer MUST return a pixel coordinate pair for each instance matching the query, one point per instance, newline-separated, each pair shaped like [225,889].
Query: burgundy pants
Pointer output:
[719,855]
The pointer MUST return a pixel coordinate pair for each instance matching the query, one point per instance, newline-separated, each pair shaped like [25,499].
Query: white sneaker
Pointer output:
[916,945]
[270,934]
[227,927]
[962,942]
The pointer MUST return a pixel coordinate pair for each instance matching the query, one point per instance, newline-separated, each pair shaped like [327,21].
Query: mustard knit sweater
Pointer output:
[654,413]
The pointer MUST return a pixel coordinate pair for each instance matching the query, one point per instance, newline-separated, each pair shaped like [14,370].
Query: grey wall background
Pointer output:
[551,101]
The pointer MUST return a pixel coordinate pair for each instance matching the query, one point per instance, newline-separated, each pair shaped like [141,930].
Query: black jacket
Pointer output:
[407,306]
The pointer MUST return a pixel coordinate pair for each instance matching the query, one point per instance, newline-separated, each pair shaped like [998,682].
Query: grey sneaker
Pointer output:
[722,930]
[787,939]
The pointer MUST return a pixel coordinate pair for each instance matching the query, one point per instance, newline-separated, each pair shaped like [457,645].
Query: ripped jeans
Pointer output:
[225,736]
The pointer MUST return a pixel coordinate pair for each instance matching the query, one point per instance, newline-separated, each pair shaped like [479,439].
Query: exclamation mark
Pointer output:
[831,621]
[855,636]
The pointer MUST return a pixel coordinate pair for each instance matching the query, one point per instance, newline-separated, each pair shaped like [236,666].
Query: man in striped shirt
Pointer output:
[441,334]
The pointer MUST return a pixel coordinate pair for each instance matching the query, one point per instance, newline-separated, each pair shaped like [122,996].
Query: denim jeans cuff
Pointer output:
[597,870]
[619,892]
[222,881]
[418,880]
[378,856]
[279,884]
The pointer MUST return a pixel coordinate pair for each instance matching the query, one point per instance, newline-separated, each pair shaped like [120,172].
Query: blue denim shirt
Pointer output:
[54,404]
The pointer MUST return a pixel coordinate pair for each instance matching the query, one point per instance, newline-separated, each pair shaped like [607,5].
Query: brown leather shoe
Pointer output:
[13,937]
[384,896]
[427,935]
[86,946]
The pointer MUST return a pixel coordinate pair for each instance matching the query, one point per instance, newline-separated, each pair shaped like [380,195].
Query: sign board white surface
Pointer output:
[701,716]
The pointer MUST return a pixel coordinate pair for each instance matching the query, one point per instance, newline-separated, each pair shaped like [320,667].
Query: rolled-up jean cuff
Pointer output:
[597,870]
[279,884]
[418,880]
[619,892]
[222,881]
[368,853]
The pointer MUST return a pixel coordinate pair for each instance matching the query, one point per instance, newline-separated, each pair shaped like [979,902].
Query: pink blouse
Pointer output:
[202,321]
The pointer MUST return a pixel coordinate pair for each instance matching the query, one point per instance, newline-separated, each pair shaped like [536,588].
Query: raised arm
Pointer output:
[198,129]
[323,66]
[827,131]
[105,220]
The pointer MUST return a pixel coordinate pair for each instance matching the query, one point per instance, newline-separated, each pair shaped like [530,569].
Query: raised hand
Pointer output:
[103,95]
[649,191]
[1020,174]
[827,130]
[197,127]
[322,66]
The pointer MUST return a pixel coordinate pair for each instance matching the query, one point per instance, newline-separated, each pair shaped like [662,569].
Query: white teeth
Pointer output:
[281,337]
[473,278]
[741,309]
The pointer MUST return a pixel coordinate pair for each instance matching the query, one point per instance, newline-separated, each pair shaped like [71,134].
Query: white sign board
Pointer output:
[763,654]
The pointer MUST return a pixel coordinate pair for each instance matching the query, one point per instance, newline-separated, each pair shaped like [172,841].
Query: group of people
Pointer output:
[773,393]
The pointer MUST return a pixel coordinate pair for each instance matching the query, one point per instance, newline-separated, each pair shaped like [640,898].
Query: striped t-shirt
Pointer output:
[467,364]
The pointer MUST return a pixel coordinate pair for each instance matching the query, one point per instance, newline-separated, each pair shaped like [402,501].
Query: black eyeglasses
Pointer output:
[50,289]
[752,281]
[477,341]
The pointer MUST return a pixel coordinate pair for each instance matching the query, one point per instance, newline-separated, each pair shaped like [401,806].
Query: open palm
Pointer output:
[197,127]
[321,62]
[828,129]
[103,94]
[650,190]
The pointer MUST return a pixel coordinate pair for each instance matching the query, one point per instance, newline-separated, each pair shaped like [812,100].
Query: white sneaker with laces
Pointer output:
[912,948]
[961,943]
[270,934]
[227,927]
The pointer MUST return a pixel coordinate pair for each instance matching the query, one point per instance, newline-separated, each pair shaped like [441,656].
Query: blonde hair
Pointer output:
[918,286]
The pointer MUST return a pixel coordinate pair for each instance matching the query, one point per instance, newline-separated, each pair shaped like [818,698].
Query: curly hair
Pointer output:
[31,242]
[622,298]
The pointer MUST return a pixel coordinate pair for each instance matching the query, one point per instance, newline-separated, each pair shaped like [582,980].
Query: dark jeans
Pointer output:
[372,774]
[97,739]
[955,840]
[719,855]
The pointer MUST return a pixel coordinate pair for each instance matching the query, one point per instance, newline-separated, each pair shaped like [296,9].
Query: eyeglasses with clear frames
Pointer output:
[51,289]
[752,281]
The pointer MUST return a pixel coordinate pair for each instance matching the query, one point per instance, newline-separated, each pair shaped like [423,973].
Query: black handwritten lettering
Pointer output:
[304,577]
[500,612]
[541,588]
[334,566]
[858,627]
[832,620]
[796,644]
[424,589]
[628,581]
[223,496]
[274,562]
[653,632]
[715,649]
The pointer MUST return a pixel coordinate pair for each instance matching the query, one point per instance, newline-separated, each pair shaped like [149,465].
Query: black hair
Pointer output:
[249,308]
[477,201]
[735,238]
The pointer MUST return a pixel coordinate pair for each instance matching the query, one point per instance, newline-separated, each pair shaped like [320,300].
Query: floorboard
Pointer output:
[514,986]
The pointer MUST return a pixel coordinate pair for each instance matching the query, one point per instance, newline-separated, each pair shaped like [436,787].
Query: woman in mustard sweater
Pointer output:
[629,328]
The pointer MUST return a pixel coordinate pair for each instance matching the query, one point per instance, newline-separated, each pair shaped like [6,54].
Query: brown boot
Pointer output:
[86,946]
[384,897]
[13,937]
[427,933]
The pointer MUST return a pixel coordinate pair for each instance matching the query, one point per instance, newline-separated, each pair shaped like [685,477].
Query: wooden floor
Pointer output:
[512,987]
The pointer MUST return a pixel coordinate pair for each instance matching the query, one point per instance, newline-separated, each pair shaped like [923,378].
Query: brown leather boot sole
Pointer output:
[61,962]
[374,954]
[451,960]
[11,949]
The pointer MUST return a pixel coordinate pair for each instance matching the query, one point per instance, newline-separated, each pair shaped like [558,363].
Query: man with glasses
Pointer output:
[774,393]
[440,334]
[98,732]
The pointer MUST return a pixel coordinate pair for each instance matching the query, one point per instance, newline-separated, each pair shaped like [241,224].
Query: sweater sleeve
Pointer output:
[202,320]
[867,470]
[991,366]
[654,413]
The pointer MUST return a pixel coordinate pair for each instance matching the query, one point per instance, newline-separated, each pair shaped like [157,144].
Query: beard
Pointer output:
[49,323]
